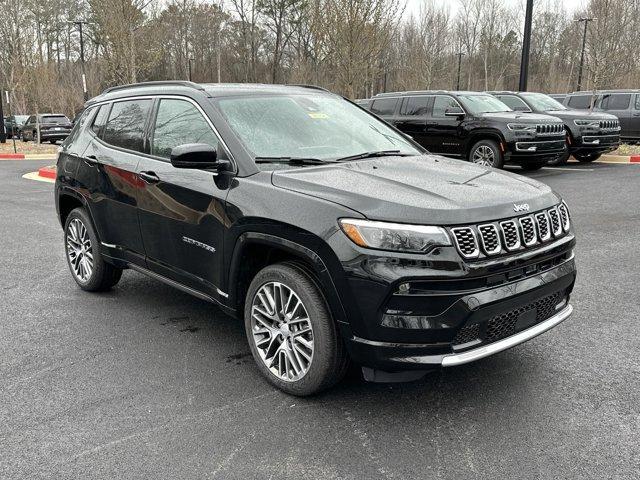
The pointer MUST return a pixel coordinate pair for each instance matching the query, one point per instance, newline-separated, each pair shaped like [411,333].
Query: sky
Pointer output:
[413,6]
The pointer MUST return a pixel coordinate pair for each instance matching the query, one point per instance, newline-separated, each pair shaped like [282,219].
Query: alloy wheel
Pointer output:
[483,155]
[282,331]
[79,250]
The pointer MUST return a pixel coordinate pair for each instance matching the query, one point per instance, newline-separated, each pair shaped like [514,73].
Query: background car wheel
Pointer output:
[24,137]
[82,248]
[561,160]
[52,142]
[531,166]
[292,335]
[587,157]
[486,153]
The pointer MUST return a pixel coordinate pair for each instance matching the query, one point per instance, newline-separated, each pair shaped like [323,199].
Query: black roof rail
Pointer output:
[158,83]
[305,85]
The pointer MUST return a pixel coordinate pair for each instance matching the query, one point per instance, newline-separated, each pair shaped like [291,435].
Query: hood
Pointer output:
[426,190]
[576,114]
[520,117]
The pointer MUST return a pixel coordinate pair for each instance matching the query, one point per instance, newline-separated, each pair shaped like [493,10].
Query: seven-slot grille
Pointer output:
[513,234]
[550,129]
[609,124]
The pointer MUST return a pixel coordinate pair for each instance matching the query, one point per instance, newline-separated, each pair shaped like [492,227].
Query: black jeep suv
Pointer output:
[589,134]
[52,127]
[473,126]
[332,234]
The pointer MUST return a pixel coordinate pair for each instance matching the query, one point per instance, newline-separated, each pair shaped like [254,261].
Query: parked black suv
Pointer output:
[473,126]
[13,124]
[331,233]
[624,104]
[53,127]
[589,134]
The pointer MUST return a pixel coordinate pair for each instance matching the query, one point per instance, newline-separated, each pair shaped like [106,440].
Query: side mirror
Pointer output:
[195,155]
[450,112]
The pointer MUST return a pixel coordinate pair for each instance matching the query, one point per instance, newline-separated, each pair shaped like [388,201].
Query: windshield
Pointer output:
[540,101]
[20,119]
[310,126]
[57,119]
[483,104]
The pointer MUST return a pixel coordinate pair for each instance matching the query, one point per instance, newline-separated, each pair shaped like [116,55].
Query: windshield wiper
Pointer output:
[380,153]
[290,160]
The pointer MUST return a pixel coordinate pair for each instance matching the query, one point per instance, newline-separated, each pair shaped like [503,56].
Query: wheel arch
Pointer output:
[255,250]
[485,134]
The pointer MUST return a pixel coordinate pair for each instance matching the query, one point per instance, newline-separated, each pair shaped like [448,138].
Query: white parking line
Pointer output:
[569,169]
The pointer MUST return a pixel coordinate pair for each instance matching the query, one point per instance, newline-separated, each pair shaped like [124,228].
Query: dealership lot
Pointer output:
[146,381]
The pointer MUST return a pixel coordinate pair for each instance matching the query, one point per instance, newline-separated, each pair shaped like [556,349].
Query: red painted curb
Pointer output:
[11,156]
[634,159]
[47,172]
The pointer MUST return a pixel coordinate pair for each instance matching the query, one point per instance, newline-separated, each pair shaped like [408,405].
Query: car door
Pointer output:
[635,118]
[618,104]
[108,174]
[443,129]
[28,127]
[182,211]
[412,118]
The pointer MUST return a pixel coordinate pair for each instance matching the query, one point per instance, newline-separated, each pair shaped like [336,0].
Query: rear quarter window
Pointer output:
[384,106]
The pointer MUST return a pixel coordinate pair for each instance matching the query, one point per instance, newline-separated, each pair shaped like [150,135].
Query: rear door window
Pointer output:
[384,106]
[415,106]
[581,102]
[615,101]
[126,124]
[179,122]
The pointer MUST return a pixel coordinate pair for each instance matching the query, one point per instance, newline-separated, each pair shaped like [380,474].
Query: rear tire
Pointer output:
[85,261]
[587,157]
[52,142]
[297,347]
[486,153]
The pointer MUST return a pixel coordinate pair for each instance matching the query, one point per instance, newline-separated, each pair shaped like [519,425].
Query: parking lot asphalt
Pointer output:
[148,382]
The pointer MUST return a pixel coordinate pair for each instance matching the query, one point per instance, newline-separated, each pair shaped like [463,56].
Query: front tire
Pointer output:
[486,153]
[293,338]
[587,157]
[82,248]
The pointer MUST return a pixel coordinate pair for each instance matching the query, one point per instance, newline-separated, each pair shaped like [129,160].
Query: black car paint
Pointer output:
[455,136]
[247,215]
[579,139]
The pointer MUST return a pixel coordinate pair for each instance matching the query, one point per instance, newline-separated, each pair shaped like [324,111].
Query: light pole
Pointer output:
[459,54]
[526,46]
[80,24]
[584,45]
[190,60]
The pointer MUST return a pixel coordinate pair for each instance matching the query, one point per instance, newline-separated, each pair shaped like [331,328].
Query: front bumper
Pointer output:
[452,327]
[54,134]
[595,143]
[523,151]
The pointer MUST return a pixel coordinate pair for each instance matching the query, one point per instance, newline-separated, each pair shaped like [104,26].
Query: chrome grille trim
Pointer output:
[510,235]
[542,222]
[556,223]
[489,235]
[550,128]
[528,228]
[466,241]
[564,215]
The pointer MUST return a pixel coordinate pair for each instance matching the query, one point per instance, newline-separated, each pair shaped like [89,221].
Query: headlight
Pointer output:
[587,123]
[521,127]
[394,236]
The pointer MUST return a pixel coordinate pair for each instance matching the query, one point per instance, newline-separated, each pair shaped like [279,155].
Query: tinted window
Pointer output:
[580,101]
[638,102]
[384,106]
[415,106]
[615,102]
[100,119]
[57,119]
[441,104]
[179,122]
[80,123]
[125,127]
[514,103]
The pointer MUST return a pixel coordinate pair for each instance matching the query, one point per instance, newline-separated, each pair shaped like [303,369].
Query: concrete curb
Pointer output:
[11,156]
[620,159]
[28,156]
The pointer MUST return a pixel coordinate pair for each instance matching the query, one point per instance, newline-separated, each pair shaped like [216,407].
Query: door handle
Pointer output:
[90,160]
[149,177]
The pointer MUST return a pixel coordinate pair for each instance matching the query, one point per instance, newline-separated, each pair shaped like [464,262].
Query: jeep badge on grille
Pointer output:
[520,207]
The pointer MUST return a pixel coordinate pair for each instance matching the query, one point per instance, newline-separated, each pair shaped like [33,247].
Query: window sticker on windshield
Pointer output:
[318,115]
